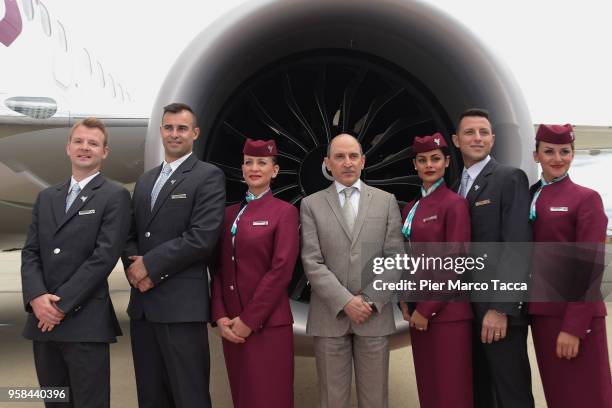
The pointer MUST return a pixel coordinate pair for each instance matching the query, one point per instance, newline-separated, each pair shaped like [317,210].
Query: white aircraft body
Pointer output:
[48,82]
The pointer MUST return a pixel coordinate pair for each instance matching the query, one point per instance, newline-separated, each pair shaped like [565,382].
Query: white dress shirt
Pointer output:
[175,164]
[83,182]
[354,197]
[474,171]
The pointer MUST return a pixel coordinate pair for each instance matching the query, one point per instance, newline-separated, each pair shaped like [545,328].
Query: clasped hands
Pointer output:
[137,274]
[358,310]
[46,311]
[233,330]
[416,320]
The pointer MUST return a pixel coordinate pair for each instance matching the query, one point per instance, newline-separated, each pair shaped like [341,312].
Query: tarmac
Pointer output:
[17,364]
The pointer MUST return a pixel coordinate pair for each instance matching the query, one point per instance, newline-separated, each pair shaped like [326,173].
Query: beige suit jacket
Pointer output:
[339,264]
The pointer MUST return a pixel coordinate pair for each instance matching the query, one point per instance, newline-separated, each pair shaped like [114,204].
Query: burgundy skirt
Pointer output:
[583,381]
[443,364]
[260,370]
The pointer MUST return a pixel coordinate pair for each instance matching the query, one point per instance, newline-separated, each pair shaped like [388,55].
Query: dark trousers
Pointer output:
[172,365]
[502,376]
[83,367]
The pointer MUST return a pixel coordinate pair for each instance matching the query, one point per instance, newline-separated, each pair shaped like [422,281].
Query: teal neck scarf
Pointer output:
[543,183]
[407,227]
[249,197]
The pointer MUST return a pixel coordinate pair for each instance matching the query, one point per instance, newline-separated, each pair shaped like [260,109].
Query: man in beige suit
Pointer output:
[344,227]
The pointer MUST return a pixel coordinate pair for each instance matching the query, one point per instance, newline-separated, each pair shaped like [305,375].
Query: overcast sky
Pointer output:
[558,51]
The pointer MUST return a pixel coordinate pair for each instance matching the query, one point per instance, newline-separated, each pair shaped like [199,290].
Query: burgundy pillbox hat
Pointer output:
[260,148]
[555,134]
[428,143]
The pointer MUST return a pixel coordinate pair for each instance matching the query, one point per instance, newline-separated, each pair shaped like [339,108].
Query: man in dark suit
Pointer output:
[177,215]
[78,231]
[498,198]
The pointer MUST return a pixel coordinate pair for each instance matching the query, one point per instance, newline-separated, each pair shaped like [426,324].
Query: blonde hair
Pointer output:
[92,123]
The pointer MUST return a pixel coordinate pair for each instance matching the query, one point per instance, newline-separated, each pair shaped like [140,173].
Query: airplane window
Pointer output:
[87,62]
[34,107]
[44,19]
[100,74]
[28,9]
[111,83]
[61,37]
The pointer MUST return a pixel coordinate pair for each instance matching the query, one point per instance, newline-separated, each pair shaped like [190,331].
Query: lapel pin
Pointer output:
[172,181]
[476,187]
[83,198]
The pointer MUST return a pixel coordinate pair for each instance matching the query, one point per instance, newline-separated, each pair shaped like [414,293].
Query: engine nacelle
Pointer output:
[300,71]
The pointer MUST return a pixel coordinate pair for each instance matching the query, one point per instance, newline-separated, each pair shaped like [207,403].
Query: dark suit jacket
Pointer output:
[499,208]
[71,255]
[176,239]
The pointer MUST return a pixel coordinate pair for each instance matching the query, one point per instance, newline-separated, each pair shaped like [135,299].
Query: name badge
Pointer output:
[87,212]
[260,223]
[558,209]
[177,196]
[433,217]
[483,202]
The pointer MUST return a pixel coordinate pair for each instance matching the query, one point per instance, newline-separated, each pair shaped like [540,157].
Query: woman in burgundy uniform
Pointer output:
[569,336]
[256,254]
[441,331]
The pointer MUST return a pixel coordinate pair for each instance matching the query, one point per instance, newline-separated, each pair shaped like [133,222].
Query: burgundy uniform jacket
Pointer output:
[250,277]
[442,216]
[567,212]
